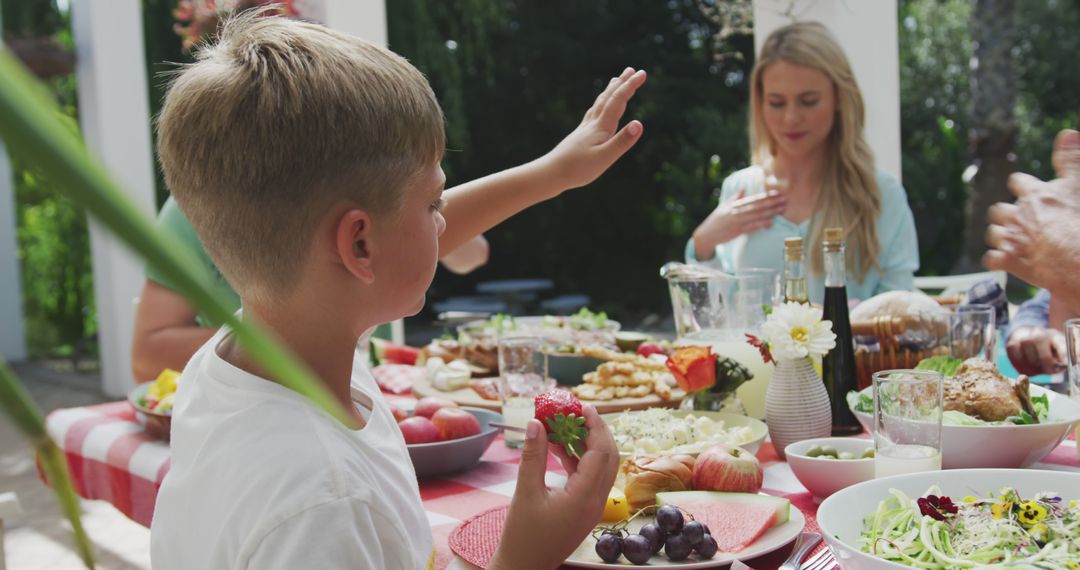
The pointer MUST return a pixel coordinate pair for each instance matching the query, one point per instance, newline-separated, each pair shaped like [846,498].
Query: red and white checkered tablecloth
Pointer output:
[113,459]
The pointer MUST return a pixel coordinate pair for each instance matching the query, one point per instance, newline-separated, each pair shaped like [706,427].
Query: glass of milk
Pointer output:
[522,375]
[1072,342]
[908,406]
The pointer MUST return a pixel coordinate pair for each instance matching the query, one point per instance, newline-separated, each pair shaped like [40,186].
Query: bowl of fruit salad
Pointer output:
[826,465]
[153,403]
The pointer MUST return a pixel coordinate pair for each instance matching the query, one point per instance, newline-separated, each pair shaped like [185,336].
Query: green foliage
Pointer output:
[520,79]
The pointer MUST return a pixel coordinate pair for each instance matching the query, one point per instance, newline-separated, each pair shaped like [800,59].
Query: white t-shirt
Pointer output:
[262,479]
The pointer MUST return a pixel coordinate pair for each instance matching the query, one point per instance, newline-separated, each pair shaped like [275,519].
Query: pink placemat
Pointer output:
[476,539]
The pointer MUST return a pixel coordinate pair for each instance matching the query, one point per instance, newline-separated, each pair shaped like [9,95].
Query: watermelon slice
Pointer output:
[735,520]
[386,352]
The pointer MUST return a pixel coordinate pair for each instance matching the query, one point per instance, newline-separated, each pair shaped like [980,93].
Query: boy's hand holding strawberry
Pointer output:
[560,412]
[545,525]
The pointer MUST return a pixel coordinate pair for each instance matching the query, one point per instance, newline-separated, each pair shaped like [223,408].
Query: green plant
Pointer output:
[31,128]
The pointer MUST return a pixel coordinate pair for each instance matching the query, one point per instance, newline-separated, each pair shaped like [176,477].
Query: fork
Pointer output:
[803,544]
[823,560]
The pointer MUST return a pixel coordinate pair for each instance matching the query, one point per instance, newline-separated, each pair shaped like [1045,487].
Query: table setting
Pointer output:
[728,435]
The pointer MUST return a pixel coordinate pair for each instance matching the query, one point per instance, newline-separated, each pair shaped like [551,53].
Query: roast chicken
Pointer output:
[978,389]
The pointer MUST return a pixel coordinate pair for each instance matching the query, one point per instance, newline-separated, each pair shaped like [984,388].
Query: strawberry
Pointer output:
[560,412]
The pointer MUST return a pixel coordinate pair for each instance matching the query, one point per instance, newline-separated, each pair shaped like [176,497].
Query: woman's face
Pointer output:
[799,107]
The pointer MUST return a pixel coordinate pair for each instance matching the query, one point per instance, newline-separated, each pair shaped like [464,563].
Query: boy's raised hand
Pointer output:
[545,525]
[597,142]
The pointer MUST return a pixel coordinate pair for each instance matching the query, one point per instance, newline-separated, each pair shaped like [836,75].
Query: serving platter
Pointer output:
[775,538]
[468,397]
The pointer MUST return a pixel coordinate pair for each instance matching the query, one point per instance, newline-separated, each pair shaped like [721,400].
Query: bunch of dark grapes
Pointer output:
[678,539]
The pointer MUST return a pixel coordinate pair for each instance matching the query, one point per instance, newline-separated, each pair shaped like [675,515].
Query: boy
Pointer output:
[308,162]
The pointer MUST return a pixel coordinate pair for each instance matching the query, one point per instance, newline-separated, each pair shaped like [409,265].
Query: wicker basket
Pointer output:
[880,344]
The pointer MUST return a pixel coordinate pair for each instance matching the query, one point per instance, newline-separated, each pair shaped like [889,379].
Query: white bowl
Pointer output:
[1001,446]
[823,477]
[841,515]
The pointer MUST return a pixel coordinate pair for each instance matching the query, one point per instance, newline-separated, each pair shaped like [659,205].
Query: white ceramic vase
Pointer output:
[796,404]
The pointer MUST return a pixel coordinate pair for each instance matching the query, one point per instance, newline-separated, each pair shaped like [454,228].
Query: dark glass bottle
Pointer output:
[838,365]
[794,277]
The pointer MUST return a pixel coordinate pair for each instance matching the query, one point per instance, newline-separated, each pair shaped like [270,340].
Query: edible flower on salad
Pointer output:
[936,507]
[999,510]
[1031,513]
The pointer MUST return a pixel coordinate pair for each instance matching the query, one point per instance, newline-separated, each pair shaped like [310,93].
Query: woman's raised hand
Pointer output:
[738,216]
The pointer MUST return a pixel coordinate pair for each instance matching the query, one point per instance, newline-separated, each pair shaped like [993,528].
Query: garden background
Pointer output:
[514,76]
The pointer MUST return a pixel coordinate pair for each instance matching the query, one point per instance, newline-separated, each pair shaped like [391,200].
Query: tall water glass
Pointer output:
[522,375]
[1072,342]
[908,405]
[974,332]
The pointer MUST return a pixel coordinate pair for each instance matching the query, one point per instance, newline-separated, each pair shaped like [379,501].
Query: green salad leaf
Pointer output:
[946,365]
[860,402]
[586,320]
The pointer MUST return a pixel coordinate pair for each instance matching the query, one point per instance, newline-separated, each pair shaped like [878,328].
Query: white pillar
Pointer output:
[12,326]
[867,30]
[361,18]
[115,118]
[12,335]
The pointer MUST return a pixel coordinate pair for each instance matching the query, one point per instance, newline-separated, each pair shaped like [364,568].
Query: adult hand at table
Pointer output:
[597,142]
[738,216]
[1037,238]
[545,525]
[1035,350]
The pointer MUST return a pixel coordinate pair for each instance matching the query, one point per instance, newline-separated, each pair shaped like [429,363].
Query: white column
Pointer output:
[12,336]
[12,326]
[361,18]
[867,30]
[115,118]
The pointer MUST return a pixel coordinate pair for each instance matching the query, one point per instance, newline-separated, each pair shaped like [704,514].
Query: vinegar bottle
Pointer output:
[838,365]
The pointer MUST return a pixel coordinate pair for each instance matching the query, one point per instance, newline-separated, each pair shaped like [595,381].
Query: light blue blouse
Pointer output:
[898,261]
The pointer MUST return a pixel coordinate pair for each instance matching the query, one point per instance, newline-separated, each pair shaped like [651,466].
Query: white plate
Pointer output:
[1001,446]
[775,538]
[758,429]
[841,515]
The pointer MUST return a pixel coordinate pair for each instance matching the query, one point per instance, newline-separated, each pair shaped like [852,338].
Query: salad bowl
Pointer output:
[986,445]
[841,516]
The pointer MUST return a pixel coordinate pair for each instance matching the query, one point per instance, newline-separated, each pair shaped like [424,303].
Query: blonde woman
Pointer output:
[811,169]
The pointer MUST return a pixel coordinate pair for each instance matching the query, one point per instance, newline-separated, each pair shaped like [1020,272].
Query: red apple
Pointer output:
[455,423]
[427,407]
[399,414]
[731,469]
[649,349]
[418,430]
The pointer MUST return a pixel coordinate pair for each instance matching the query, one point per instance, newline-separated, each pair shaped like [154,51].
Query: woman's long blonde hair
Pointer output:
[849,195]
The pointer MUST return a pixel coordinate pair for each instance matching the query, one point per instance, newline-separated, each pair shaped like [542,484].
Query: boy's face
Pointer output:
[411,244]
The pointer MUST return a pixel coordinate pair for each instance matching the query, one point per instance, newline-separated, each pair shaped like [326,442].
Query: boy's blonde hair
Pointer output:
[277,122]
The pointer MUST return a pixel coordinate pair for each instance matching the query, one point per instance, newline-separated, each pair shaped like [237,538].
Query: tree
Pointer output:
[993,123]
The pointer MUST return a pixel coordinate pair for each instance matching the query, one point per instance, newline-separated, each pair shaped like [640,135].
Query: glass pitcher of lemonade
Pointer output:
[718,309]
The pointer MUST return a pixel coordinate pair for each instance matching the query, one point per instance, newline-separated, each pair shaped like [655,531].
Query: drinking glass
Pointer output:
[908,405]
[522,375]
[974,332]
[1072,343]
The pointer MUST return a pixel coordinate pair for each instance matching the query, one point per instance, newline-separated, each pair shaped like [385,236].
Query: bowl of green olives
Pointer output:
[826,465]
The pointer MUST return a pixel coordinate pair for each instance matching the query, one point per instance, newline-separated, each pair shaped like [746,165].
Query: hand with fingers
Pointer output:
[597,142]
[1037,239]
[545,525]
[735,217]
[1036,350]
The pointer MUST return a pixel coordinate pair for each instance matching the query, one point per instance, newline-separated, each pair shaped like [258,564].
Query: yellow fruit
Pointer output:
[616,508]
[166,381]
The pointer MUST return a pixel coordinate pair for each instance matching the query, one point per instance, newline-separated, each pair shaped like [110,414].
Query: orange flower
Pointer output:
[694,367]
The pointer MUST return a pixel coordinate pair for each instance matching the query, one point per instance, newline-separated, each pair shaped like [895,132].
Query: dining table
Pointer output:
[112,458]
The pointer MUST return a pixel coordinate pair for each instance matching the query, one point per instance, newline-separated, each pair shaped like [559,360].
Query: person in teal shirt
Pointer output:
[811,169]
[168,328]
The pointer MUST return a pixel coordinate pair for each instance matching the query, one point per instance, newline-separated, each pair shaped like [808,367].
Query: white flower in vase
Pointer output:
[795,331]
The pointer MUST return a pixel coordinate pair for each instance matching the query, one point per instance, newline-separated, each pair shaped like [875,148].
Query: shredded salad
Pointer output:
[1003,529]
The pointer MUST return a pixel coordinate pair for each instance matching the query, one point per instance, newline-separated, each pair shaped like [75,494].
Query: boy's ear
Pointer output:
[353,241]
